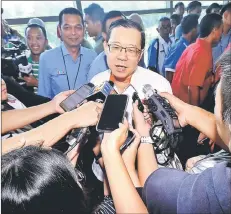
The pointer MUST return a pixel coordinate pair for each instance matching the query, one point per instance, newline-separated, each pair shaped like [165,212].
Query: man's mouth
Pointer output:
[121,68]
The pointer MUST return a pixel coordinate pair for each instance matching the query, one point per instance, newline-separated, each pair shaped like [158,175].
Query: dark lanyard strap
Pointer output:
[64,62]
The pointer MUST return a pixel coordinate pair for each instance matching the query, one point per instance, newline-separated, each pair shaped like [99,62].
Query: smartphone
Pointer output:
[113,112]
[77,97]
[128,141]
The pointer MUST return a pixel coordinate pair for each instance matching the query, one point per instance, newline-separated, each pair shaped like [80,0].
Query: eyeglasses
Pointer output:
[130,51]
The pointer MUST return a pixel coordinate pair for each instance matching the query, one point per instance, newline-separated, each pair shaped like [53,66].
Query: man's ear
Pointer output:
[105,46]
[141,55]
[59,33]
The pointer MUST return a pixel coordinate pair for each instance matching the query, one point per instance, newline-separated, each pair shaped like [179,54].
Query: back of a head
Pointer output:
[176,17]
[36,180]
[189,22]
[110,15]
[70,11]
[208,23]
[225,62]
[127,23]
[193,5]
[212,6]
[95,12]
[137,18]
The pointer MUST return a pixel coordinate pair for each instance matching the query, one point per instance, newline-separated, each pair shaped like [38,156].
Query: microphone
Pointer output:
[71,102]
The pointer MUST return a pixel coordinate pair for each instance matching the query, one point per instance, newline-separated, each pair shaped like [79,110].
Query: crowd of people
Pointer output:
[189,64]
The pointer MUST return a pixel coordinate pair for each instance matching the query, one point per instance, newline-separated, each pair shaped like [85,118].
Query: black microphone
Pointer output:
[77,97]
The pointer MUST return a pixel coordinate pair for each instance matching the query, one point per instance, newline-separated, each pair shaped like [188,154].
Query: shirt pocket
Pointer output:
[59,78]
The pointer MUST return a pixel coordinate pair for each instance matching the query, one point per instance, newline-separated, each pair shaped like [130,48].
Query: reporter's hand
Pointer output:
[55,102]
[31,81]
[115,139]
[140,124]
[129,155]
[86,115]
[179,106]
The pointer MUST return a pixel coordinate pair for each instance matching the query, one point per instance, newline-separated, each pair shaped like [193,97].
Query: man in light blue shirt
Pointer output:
[189,27]
[194,7]
[66,67]
[100,62]
[226,36]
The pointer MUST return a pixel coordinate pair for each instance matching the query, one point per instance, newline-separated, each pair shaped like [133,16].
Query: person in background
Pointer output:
[137,18]
[189,27]
[175,21]
[194,7]
[66,67]
[100,62]
[213,8]
[94,15]
[36,39]
[179,9]
[226,35]
[159,47]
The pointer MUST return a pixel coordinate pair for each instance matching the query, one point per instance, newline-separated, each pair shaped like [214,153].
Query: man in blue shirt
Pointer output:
[66,67]
[189,27]
[159,47]
[100,62]
[226,36]
[194,7]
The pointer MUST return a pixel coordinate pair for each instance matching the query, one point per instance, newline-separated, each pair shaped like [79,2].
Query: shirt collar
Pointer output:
[203,43]
[162,41]
[66,52]
[183,40]
[98,37]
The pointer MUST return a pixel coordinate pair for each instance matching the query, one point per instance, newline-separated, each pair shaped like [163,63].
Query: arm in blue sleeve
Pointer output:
[152,54]
[178,32]
[44,85]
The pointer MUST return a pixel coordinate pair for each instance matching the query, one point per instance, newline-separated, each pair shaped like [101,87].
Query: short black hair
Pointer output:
[127,23]
[225,85]
[72,11]
[95,12]
[212,6]
[36,26]
[225,8]
[189,22]
[178,4]
[165,18]
[176,17]
[208,23]
[193,5]
[110,15]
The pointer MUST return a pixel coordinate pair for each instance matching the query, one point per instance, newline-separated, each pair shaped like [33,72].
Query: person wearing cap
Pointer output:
[66,66]
[36,38]
[226,35]
[94,15]
[194,7]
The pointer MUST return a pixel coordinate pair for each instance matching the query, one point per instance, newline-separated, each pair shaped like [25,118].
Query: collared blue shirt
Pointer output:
[221,46]
[174,54]
[100,64]
[178,32]
[99,44]
[53,76]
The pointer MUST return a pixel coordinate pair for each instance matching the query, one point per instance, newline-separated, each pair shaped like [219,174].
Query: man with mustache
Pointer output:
[66,67]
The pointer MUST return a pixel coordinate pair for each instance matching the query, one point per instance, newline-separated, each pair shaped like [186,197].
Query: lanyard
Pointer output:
[64,62]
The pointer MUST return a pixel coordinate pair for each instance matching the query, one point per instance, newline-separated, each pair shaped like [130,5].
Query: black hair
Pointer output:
[95,12]
[176,17]
[225,8]
[189,22]
[127,23]
[212,6]
[208,23]
[110,15]
[38,180]
[165,18]
[72,11]
[225,85]
[193,5]
[37,26]
[178,4]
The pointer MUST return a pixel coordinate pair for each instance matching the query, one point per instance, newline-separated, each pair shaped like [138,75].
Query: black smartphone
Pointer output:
[77,97]
[112,113]
[128,141]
